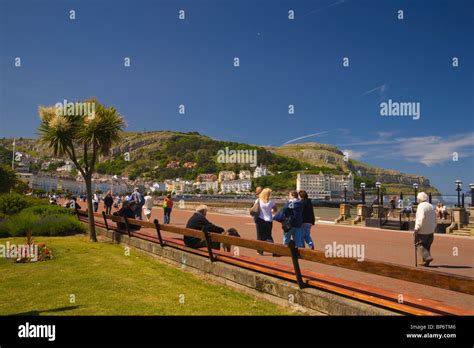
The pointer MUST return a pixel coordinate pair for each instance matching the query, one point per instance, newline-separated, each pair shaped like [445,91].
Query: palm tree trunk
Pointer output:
[90,210]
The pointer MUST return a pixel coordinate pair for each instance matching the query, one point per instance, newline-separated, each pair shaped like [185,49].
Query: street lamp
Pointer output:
[362,188]
[459,189]
[345,192]
[378,185]
[415,187]
[471,186]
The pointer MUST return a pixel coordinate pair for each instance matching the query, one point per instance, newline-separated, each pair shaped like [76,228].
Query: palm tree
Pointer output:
[82,137]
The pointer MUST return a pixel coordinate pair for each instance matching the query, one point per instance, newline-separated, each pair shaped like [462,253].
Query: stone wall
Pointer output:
[271,288]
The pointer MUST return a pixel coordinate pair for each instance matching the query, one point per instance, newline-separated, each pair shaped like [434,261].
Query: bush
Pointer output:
[48,210]
[8,178]
[13,203]
[43,220]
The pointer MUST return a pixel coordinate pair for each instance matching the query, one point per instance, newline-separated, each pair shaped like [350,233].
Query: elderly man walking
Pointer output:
[425,225]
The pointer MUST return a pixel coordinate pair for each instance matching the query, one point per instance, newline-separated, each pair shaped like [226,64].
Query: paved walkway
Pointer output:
[384,245]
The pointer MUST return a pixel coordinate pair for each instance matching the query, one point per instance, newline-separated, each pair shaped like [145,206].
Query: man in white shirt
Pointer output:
[425,225]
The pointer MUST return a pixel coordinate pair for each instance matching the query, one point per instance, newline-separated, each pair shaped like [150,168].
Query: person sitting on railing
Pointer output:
[127,211]
[198,221]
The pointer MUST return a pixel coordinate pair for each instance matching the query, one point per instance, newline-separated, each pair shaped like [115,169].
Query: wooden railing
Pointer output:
[411,274]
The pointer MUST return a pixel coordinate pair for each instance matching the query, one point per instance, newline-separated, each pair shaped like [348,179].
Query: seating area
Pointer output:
[154,232]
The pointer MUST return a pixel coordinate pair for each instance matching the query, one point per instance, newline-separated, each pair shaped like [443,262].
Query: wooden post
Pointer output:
[205,231]
[105,220]
[158,231]
[416,251]
[296,265]
[127,227]
[400,220]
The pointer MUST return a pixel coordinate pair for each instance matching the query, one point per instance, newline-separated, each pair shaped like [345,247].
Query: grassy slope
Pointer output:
[150,143]
[106,282]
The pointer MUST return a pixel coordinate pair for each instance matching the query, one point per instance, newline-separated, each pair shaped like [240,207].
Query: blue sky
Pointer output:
[282,62]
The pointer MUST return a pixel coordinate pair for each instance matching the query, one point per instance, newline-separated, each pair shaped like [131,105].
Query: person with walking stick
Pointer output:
[425,225]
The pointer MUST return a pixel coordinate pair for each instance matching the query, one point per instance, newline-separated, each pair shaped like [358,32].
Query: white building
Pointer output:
[205,186]
[179,186]
[226,175]
[245,175]
[261,170]
[158,187]
[238,186]
[320,186]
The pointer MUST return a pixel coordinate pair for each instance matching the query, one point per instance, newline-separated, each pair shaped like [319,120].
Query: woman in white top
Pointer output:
[264,221]
[148,206]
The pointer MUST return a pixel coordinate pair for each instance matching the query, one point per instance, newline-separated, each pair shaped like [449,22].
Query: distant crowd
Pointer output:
[133,206]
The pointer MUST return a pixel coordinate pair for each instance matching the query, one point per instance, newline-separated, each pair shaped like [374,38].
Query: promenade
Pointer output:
[384,245]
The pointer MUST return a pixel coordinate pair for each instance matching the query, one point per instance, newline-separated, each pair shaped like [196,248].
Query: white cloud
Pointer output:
[431,150]
[357,155]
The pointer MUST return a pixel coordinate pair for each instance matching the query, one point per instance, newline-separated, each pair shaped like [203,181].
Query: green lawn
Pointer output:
[104,281]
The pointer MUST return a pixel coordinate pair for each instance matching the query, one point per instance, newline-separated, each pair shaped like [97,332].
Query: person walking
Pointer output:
[308,218]
[393,205]
[264,220]
[425,225]
[108,202]
[291,218]
[139,200]
[148,206]
[95,201]
[167,207]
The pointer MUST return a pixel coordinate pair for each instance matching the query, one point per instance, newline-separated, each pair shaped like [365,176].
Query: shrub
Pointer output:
[43,220]
[13,203]
[57,225]
[48,210]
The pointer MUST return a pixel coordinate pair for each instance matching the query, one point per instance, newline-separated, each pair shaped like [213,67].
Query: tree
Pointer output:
[82,137]
[8,179]
[21,187]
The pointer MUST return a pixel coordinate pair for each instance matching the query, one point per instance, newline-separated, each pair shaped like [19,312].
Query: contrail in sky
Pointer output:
[305,136]
[325,7]
[380,88]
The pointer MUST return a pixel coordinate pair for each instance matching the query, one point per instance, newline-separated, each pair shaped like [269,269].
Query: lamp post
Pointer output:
[345,192]
[378,185]
[362,188]
[415,187]
[471,186]
[459,189]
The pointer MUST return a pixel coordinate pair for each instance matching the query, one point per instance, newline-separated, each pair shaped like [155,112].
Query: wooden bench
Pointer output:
[411,274]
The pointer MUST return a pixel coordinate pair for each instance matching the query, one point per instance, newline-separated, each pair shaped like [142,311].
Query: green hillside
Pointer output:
[148,155]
